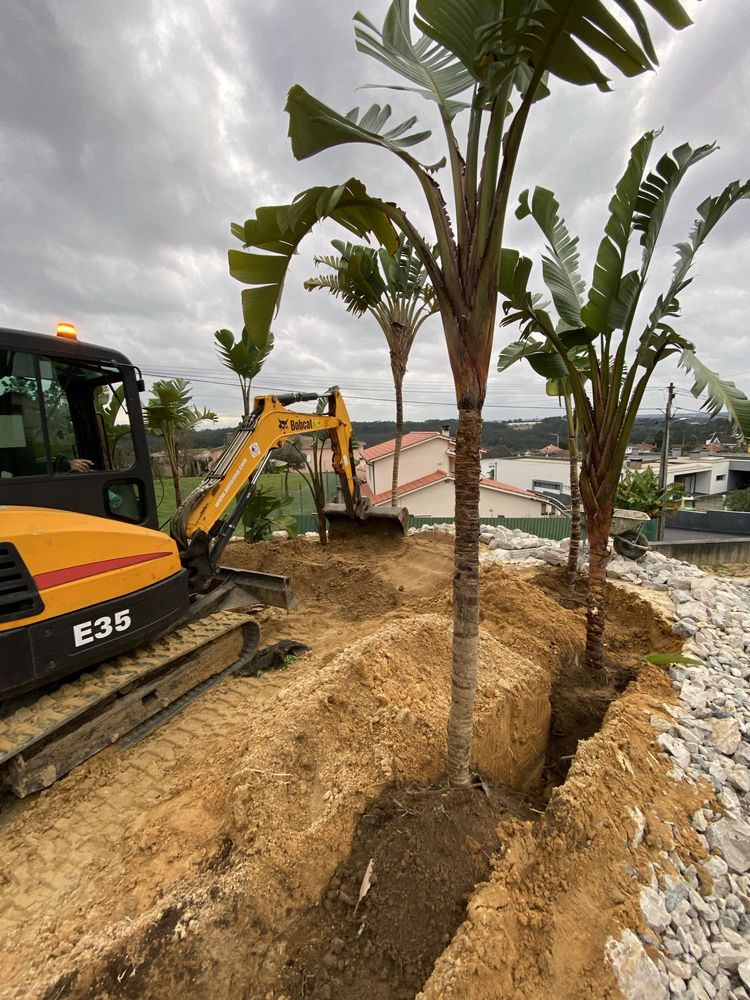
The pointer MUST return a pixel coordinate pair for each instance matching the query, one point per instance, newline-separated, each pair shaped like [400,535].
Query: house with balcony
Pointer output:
[426,477]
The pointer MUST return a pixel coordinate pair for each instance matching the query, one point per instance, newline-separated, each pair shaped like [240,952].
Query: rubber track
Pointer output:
[32,723]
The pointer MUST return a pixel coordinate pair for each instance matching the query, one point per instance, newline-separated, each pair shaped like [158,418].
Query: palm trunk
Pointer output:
[398,380]
[174,465]
[575,497]
[322,523]
[465,595]
[320,491]
[599,553]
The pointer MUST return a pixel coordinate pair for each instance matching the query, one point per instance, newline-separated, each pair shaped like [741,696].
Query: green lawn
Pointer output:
[300,499]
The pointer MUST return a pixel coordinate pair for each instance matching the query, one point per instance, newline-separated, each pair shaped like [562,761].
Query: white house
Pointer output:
[427,480]
[704,474]
[537,475]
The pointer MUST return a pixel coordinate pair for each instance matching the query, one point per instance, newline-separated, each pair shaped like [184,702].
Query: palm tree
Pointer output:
[616,373]
[244,357]
[492,59]
[393,288]
[169,414]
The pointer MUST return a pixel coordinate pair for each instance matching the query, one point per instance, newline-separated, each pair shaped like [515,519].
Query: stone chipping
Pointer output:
[697,942]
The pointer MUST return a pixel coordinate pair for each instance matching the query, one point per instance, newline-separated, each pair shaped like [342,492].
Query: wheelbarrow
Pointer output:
[627,533]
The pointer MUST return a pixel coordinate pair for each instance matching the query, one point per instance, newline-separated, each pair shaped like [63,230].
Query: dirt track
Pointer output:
[188,863]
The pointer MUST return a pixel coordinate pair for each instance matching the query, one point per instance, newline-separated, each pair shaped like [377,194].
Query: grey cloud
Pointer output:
[132,134]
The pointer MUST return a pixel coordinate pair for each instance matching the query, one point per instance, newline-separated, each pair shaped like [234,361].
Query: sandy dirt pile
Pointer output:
[564,884]
[320,751]
[197,862]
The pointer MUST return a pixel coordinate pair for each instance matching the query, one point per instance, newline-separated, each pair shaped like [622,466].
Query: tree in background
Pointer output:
[609,391]
[110,403]
[395,290]
[264,514]
[312,470]
[244,357]
[288,458]
[168,415]
[639,490]
[739,500]
[492,59]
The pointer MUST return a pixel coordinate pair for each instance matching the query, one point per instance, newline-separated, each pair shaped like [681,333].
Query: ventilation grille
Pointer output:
[19,597]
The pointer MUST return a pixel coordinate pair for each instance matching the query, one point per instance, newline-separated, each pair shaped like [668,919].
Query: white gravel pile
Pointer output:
[700,937]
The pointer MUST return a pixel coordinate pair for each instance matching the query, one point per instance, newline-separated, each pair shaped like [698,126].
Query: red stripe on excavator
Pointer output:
[59,576]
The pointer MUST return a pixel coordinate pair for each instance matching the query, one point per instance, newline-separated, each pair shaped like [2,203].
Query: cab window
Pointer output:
[61,418]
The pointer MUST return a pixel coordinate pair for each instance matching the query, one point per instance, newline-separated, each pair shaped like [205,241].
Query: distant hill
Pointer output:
[499,435]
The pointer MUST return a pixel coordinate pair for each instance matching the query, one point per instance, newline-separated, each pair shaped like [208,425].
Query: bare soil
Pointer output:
[225,854]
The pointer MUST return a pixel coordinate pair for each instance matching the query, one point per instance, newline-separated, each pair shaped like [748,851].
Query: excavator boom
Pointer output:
[206,521]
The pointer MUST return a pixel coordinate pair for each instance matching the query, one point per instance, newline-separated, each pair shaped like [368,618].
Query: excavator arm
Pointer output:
[206,521]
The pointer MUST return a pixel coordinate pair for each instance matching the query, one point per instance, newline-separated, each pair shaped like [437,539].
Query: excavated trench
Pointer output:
[335,788]
[417,855]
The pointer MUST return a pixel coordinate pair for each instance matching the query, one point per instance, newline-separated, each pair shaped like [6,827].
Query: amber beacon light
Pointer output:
[67,330]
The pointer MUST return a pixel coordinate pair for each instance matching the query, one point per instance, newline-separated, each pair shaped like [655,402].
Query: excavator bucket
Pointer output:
[387,522]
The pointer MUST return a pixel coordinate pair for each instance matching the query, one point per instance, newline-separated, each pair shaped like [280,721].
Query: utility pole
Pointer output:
[663,463]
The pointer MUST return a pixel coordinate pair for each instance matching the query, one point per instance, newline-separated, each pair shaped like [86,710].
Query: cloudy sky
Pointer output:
[132,134]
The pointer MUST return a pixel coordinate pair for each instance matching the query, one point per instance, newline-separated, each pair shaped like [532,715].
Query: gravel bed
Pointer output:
[698,939]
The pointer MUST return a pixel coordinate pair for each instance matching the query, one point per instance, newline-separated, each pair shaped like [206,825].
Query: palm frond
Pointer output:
[720,394]
[313,127]
[610,259]
[278,230]
[437,74]
[657,190]
[710,213]
[560,270]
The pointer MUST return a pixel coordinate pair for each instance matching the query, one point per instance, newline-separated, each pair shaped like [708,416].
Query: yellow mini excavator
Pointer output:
[92,594]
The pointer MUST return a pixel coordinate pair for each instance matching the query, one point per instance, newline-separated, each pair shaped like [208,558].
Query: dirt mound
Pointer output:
[322,578]
[189,863]
[310,760]
[422,852]
[633,625]
[523,617]
[573,878]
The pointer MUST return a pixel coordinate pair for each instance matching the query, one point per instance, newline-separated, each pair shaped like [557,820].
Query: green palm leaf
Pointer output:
[516,351]
[610,259]
[575,40]
[720,394]
[313,126]
[435,71]
[560,271]
[710,213]
[656,193]
[278,230]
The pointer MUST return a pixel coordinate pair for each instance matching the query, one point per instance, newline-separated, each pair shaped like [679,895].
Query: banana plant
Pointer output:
[244,356]
[608,389]
[488,61]
[395,290]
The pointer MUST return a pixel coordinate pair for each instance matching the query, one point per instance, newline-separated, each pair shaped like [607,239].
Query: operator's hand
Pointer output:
[80,464]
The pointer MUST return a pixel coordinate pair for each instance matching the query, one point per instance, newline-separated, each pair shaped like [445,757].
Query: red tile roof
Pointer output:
[437,477]
[416,484]
[494,485]
[388,447]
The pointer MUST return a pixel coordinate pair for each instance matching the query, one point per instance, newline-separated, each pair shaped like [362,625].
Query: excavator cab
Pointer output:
[71,430]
